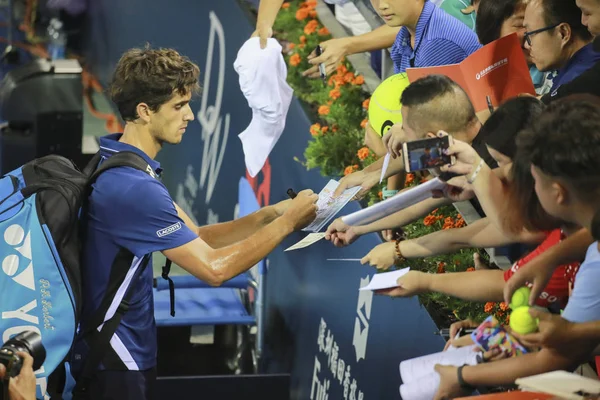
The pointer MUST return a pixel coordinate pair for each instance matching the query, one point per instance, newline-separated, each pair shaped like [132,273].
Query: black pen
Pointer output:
[445,332]
[489,104]
[290,192]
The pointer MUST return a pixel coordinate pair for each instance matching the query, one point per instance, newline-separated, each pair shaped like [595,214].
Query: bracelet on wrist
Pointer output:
[461,381]
[473,176]
[399,255]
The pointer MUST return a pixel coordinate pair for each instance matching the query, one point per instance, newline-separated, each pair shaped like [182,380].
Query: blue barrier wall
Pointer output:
[334,340]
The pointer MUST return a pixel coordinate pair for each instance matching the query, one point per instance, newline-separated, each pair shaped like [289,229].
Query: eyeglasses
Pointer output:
[528,35]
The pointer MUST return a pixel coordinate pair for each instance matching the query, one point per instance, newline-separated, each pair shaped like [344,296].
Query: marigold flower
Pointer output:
[291,46]
[323,110]
[334,129]
[310,3]
[295,60]
[363,153]
[470,269]
[323,31]
[285,5]
[359,80]
[366,103]
[350,169]
[489,306]
[312,13]
[302,39]
[507,320]
[311,27]
[315,129]
[363,123]
[335,94]
[380,194]
[324,129]
[341,69]
[301,14]
[348,77]
[441,268]
[302,45]
[409,179]
[503,306]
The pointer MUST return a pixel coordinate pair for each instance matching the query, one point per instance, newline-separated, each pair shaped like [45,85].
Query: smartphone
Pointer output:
[318,52]
[425,154]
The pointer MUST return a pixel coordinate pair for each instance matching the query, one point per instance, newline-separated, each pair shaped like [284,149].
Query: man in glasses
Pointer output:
[557,40]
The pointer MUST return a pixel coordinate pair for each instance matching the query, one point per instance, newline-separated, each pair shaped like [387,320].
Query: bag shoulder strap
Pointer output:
[122,159]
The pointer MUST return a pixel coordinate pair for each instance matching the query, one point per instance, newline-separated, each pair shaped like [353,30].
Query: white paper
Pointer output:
[386,162]
[423,388]
[560,383]
[307,241]
[416,368]
[385,280]
[344,259]
[328,206]
[399,202]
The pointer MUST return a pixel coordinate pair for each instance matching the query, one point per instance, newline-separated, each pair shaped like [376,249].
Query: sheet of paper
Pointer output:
[416,368]
[423,388]
[344,259]
[307,241]
[329,206]
[385,280]
[398,202]
[386,162]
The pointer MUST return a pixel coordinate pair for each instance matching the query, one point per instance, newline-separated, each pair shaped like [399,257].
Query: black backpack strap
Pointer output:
[165,275]
[100,343]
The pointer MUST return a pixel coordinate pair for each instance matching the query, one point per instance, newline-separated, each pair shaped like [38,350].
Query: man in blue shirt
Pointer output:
[131,215]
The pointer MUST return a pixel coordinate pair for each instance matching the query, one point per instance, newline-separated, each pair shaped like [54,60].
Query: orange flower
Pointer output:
[359,80]
[312,13]
[315,129]
[285,5]
[428,220]
[366,103]
[323,110]
[507,321]
[489,306]
[459,223]
[302,39]
[363,123]
[434,211]
[470,269]
[363,153]
[295,60]
[302,45]
[503,306]
[329,102]
[441,268]
[409,179]
[350,169]
[380,194]
[310,3]
[324,129]
[301,14]
[323,31]
[291,45]
[335,94]
[311,27]
[334,129]
[341,69]
[348,77]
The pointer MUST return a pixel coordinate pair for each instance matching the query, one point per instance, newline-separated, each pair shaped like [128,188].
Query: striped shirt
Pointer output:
[440,40]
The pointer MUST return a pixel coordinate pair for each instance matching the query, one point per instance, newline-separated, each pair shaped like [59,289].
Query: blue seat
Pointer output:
[197,303]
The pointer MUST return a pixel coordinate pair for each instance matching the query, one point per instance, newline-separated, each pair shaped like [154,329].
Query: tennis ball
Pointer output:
[384,107]
[520,297]
[521,322]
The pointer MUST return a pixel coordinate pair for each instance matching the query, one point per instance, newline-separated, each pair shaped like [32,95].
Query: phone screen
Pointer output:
[427,153]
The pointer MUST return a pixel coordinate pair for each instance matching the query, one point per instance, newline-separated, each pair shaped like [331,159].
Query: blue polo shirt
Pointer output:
[584,302]
[131,210]
[440,40]
[582,60]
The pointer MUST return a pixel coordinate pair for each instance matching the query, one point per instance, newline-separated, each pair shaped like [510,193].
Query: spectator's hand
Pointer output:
[303,209]
[467,158]
[388,235]
[449,387]
[553,332]
[333,51]
[456,327]
[411,284]
[264,33]
[538,273]
[494,354]
[457,189]
[341,234]
[359,178]
[21,387]
[381,257]
[394,139]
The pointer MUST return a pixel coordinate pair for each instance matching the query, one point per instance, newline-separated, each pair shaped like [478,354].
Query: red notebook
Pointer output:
[496,72]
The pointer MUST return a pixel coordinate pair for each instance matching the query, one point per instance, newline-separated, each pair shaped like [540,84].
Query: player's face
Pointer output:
[169,122]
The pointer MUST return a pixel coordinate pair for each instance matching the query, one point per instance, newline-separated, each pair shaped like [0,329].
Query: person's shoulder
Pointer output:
[126,186]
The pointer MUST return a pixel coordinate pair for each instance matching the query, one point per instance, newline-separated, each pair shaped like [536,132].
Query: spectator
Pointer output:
[21,387]
[558,40]
[566,170]
[462,10]
[427,37]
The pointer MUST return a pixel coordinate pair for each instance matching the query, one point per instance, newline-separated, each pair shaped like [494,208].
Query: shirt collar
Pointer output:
[110,145]
[424,18]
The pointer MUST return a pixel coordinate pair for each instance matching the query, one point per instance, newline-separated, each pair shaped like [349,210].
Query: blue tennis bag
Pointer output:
[40,254]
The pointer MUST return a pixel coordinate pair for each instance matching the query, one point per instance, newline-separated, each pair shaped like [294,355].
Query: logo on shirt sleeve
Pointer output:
[168,230]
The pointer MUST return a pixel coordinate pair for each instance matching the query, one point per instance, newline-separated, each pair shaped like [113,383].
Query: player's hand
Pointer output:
[303,209]
[332,52]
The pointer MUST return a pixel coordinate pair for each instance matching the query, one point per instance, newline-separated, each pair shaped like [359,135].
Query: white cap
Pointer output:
[263,74]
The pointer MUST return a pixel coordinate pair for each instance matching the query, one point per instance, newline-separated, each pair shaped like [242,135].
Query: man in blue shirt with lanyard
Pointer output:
[131,215]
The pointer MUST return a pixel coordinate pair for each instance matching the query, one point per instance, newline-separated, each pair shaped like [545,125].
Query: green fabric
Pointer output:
[455,7]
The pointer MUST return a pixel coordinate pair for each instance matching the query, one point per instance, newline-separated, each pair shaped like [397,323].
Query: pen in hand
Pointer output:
[292,195]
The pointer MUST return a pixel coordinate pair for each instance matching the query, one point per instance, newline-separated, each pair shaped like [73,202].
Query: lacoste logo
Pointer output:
[168,230]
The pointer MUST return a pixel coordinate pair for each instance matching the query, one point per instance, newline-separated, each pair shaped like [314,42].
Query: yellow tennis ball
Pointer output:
[520,297]
[384,107]
[522,322]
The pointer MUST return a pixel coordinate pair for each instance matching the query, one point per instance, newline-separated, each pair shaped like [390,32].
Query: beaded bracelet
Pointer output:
[399,255]
[474,175]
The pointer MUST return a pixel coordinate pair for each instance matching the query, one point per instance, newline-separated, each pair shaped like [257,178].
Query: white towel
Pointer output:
[263,81]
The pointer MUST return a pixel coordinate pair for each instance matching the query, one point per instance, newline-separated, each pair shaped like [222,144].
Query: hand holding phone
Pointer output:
[322,73]
[426,154]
